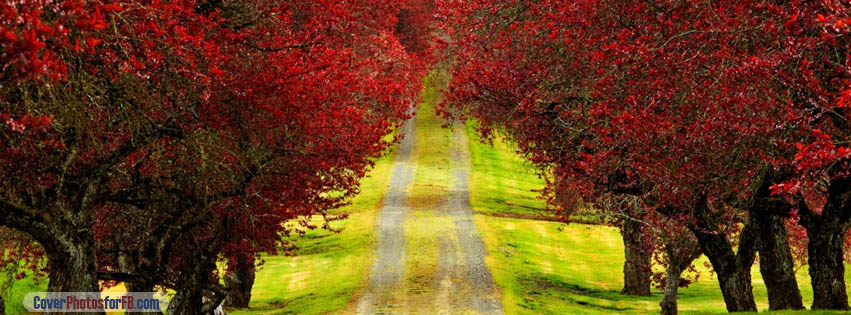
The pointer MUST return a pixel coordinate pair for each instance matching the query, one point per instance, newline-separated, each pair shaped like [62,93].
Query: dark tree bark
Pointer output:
[176,305]
[239,282]
[734,278]
[776,265]
[672,285]
[141,287]
[69,244]
[71,262]
[190,298]
[72,268]
[636,268]
[186,302]
[826,233]
[827,269]
[129,265]
[2,306]
[680,253]
[826,263]
[733,269]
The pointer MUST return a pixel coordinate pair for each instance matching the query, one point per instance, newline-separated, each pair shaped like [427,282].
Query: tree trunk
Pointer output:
[71,263]
[187,301]
[672,285]
[827,269]
[826,233]
[680,250]
[737,290]
[129,265]
[147,288]
[190,299]
[238,283]
[775,264]
[733,269]
[636,268]
[72,268]
[2,306]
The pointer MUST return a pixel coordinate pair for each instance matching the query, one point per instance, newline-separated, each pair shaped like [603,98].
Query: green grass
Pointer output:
[15,297]
[505,184]
[551,268]
[330,268]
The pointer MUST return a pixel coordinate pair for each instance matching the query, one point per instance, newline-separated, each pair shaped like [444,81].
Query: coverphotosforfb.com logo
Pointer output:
[55,302]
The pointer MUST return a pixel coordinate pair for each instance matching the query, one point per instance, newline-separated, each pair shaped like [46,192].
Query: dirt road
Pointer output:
[457,281]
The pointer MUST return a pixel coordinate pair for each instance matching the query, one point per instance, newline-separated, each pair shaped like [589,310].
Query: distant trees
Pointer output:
[144,142]
[723,118]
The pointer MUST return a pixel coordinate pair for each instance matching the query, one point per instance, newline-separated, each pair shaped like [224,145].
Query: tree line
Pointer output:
[149,142]
[700,127]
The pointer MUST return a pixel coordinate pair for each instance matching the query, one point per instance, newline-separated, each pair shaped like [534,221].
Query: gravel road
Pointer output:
[462,282]
[389,267]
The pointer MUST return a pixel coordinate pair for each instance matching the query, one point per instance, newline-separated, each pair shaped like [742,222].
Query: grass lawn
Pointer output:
[548,267]
[502,183]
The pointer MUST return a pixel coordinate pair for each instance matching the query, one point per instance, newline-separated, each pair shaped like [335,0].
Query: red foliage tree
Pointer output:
[41,194]
[818,85]
[696,108]
[165,137]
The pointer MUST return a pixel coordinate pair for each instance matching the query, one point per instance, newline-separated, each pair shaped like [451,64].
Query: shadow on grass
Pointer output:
[544,285]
